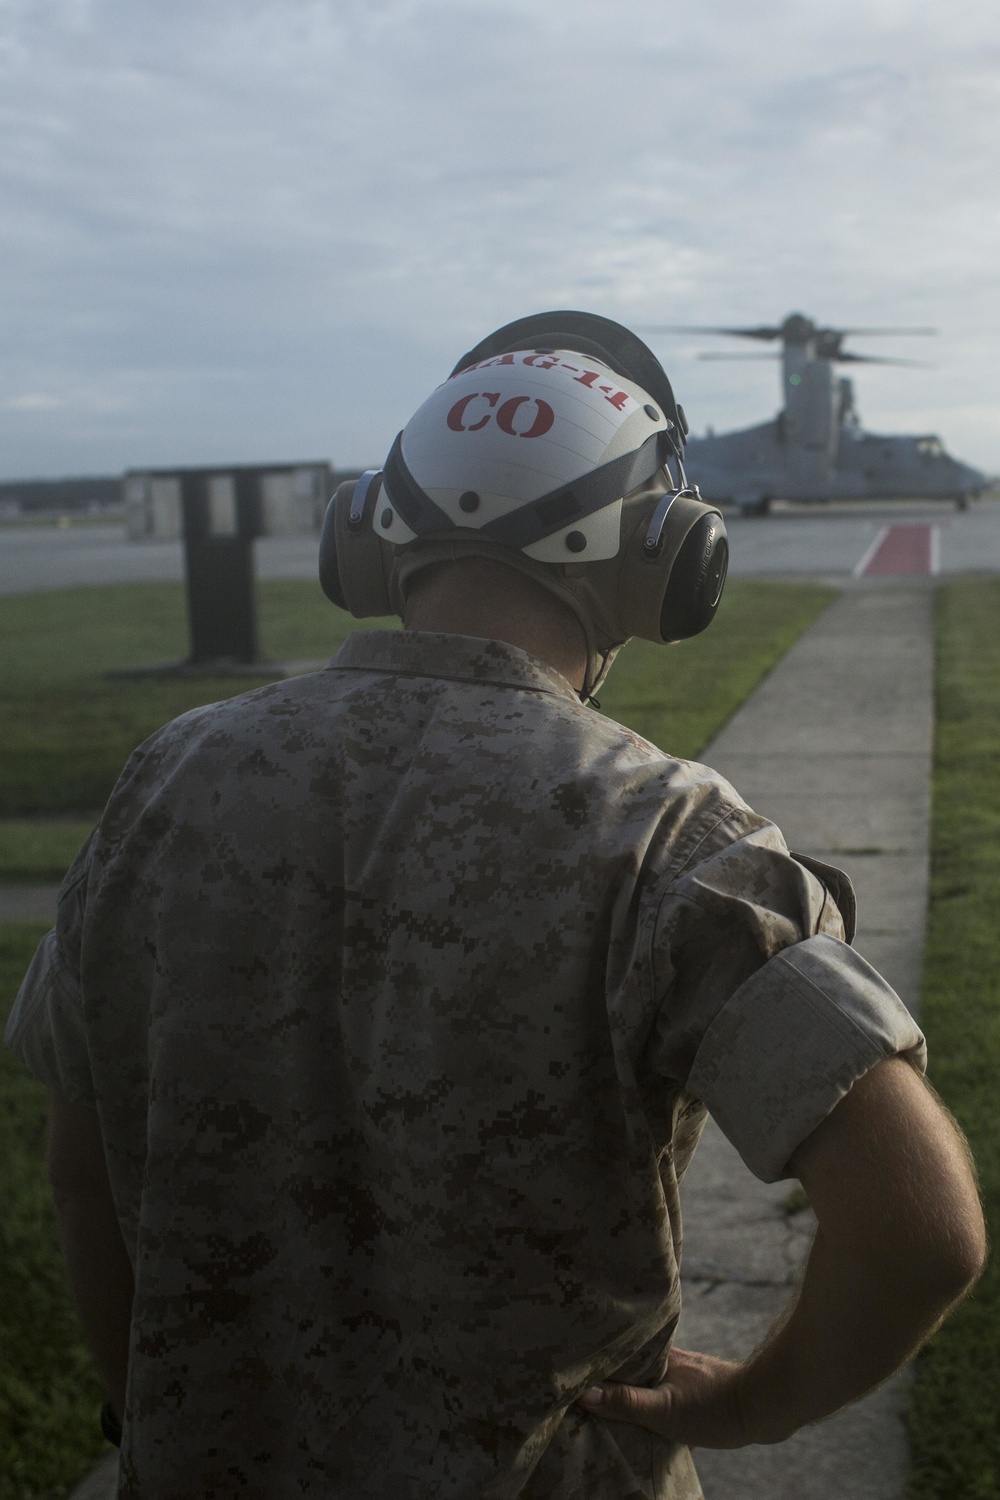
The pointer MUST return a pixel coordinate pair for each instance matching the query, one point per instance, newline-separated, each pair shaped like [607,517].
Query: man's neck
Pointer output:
[482,598]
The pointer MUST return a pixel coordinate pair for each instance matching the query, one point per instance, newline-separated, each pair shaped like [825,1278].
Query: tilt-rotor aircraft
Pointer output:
[815,449]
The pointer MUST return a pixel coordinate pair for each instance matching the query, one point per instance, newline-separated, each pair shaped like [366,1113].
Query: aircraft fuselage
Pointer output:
[756,464]
[816,448]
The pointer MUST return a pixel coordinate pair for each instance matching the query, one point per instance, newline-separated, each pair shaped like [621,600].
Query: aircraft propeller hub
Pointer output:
[797,329]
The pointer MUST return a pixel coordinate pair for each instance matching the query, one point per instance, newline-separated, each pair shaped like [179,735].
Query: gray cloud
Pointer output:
[264,229]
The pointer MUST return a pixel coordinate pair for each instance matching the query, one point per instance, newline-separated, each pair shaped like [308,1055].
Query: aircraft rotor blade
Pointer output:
[738,356]
[762,332]
[880,332]
[874,359]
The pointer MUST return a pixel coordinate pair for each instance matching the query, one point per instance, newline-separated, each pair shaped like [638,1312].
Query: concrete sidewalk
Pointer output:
[28,903]
[835,747]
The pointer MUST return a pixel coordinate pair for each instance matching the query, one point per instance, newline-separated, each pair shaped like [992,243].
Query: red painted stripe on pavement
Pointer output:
[904,549]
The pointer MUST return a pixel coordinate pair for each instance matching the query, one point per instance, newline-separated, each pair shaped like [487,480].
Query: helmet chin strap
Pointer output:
[600,666]
[408,563]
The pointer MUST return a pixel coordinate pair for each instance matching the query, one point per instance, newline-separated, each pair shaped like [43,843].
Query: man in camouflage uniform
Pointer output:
[381,1017]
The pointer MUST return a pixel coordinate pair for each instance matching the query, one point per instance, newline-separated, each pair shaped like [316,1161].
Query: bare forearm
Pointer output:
[901,1240]
[852,1325]
[855,1321]
[100,1276]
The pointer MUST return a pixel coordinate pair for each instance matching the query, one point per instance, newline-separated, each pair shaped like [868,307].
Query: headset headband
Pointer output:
[587,333]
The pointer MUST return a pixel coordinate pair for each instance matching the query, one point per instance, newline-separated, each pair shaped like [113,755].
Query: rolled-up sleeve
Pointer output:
[765,1013]
[790,1043]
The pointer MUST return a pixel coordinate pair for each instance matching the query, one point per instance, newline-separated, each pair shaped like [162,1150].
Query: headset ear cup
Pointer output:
[696,580]
[329,571]
[675,593]
[354,562]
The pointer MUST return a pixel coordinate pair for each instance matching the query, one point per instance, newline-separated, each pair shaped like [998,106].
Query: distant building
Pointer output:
[293,499]
[25,497]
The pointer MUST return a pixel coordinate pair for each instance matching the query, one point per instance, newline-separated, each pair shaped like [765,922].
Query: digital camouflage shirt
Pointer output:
[401,991]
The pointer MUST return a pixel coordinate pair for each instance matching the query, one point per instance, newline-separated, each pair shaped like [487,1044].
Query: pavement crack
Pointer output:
[711,1281]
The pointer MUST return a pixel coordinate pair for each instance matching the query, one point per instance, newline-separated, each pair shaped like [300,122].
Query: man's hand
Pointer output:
[697,1404]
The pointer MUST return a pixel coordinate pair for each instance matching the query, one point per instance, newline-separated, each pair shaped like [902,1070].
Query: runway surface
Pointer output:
[808,542]
[841,541]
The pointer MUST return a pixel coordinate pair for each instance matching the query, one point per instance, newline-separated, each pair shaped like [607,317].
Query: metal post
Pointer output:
[221,518]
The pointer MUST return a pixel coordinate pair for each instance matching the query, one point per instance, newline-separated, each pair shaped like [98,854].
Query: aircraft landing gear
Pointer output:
[761,507]
[961,502]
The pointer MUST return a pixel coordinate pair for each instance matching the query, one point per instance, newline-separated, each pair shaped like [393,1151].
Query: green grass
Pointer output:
[66,730]
[680,696]
[40,850]
[955,1412]
[50,1396]
[66,733]
[33,521]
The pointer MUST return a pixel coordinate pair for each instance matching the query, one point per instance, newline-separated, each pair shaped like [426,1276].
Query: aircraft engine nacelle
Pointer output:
[810,420]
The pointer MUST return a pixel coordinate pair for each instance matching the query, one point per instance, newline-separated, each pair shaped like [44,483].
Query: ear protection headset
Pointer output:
[592,512]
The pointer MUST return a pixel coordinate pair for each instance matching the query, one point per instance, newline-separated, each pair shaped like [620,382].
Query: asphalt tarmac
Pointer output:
[908,538]
[835,542]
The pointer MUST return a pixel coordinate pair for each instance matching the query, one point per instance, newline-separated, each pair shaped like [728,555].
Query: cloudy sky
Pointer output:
[264,229]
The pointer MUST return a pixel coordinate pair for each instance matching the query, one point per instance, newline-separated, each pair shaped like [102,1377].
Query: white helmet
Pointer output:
[532,450]
[547,448]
